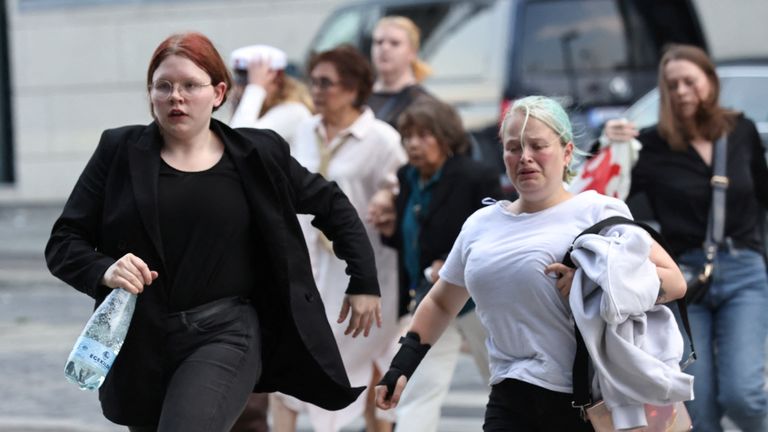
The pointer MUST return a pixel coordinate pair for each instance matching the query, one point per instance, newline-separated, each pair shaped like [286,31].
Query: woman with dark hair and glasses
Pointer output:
[199,220]
[439,188]
[346,144]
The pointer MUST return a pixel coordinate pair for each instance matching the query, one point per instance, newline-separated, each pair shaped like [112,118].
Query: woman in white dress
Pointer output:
[345,143]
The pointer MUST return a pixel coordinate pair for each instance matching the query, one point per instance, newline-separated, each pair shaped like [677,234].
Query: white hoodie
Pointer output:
[635,346]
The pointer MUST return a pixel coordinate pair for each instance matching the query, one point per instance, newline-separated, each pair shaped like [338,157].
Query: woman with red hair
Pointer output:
[199,220]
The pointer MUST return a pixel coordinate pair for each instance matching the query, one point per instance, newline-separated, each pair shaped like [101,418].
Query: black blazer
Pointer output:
[113,210]
[459,193]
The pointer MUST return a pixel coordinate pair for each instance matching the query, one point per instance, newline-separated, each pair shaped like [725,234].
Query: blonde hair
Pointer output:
[289,90]
[420,69]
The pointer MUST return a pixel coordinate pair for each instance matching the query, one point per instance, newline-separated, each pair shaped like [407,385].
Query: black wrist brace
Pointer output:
[408,357]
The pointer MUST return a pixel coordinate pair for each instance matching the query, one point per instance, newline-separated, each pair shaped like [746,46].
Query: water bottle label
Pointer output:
[95,354]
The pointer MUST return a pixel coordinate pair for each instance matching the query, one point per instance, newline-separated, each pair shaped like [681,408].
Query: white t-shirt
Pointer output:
[500,258]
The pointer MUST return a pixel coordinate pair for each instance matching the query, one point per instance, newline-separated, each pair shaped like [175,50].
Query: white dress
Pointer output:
[282,118]
[365,157]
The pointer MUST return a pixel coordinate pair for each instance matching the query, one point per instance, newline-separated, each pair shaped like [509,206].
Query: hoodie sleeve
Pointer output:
[634,345]
[618,261]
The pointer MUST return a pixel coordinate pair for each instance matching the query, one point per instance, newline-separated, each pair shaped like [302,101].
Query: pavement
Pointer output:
[41,317]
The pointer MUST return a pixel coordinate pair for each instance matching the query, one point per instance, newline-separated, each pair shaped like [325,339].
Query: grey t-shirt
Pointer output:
[500,258]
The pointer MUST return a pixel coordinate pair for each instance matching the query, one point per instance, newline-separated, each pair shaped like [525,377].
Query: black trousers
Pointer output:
[516,406]
[214,357]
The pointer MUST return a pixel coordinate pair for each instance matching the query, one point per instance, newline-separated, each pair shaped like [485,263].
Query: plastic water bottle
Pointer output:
[101,339]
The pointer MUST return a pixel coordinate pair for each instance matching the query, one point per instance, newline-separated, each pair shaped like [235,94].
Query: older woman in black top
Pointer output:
[200,221]
[439,188]
[675,170]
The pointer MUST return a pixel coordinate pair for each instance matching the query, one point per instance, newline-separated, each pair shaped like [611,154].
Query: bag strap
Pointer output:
[582,397]
[716,220]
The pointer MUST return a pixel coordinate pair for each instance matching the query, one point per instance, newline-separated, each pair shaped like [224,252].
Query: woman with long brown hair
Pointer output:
[675,171]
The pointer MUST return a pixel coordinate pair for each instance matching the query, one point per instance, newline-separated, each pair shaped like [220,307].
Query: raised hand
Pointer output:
[620,130]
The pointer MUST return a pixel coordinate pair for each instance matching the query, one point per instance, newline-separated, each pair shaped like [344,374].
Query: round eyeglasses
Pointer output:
[162,89]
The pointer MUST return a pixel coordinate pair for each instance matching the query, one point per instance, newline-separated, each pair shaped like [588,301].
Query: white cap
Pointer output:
[240,57]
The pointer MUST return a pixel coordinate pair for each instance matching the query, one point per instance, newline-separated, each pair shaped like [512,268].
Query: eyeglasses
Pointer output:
[416,137]
[163,89]
[322,83]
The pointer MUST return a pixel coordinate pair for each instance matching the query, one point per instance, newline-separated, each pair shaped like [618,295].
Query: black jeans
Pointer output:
[213,355]
[516,406]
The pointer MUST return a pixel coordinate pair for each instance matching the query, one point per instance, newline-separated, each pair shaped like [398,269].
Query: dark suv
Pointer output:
[596,56]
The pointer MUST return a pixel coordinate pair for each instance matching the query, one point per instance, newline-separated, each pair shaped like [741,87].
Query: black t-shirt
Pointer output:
[678,188]
[205,225]
[388,106]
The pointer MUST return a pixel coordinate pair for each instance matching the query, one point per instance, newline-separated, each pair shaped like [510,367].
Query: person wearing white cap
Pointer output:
[264,96]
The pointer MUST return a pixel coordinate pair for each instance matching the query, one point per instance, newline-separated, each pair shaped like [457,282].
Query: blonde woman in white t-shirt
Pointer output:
[508,258]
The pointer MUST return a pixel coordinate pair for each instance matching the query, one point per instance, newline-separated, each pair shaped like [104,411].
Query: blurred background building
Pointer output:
[71,68]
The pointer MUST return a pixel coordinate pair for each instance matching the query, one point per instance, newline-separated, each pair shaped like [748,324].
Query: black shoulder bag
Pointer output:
[698,279]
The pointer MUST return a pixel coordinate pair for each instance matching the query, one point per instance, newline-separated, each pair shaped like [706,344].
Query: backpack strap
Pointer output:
[581,389]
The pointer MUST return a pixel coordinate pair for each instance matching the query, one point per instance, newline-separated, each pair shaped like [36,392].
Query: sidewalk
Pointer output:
[40,319]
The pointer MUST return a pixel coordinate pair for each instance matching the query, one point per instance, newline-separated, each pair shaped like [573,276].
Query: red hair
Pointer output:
[197,48]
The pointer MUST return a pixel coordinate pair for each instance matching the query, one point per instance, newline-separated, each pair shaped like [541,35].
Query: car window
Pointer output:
[342,28]
[748,94]
[572,36]
[427,16]
[645,112]
[459,45]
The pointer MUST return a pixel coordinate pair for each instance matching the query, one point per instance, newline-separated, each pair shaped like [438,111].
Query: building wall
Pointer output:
[78,70]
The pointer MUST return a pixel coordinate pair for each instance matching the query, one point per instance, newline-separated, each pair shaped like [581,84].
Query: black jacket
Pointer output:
[456,195]
[113,210]
[677,185]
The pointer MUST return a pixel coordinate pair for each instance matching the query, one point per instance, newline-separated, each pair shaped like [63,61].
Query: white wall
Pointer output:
[79,70]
